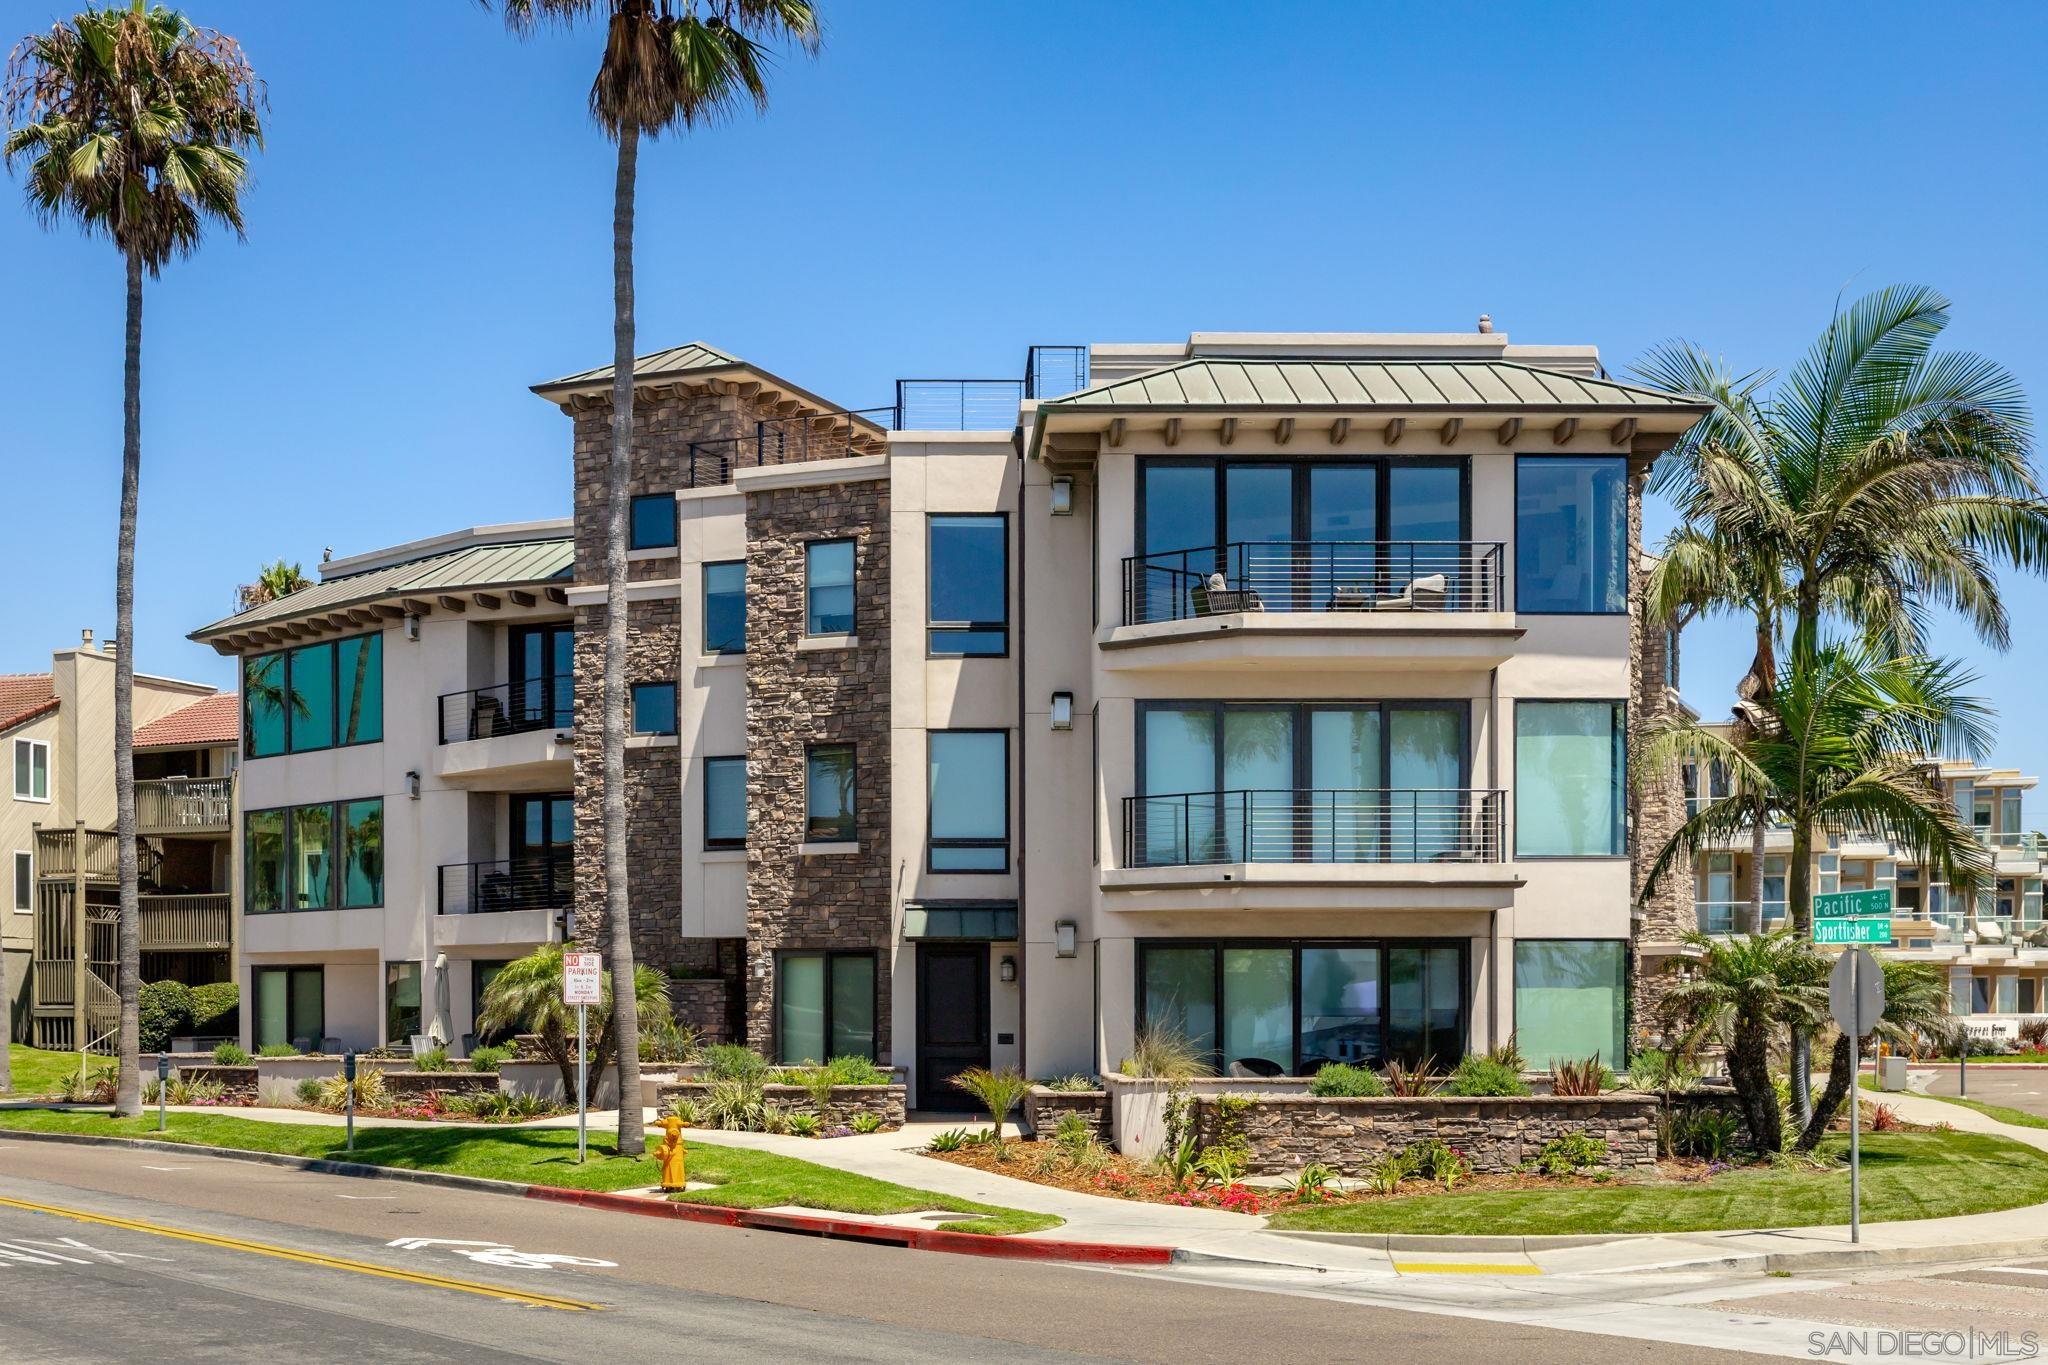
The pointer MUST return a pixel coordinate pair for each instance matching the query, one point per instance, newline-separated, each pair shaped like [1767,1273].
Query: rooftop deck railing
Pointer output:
[712,463]
[1351,825]
[1314,576]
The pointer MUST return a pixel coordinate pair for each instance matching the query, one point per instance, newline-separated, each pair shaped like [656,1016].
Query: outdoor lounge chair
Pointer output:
[1259,1067]
[1422,594]
[1216,596]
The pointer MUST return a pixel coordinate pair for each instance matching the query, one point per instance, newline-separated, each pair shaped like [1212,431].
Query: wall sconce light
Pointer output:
[1066,938]
[1063,497]
[412,785]
[1063,710]
[1008,969]
[412,627]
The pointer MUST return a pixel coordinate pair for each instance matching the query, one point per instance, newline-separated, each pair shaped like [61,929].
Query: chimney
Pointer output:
[85,638]
[109,647]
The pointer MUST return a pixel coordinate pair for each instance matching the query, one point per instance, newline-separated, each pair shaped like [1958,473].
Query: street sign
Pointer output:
[582,978]
[1856,992]
[1878,931]
[1851,904]
[1853,917]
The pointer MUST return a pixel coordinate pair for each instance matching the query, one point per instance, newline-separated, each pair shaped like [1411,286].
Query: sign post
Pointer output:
[582,986]
[1856,999]
[348,1075]
[163,1084]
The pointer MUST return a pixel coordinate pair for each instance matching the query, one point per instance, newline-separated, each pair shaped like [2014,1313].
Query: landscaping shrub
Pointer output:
[1705,1133]
[856,1071]
[277,1050]
[216,1008]
[1312,1186]
[998,1091]
[952,1140]
[1654,1069]
[166,1009]
[1161,1053]
[2034,1034]
[488,1058]
[1435,1159]
[1884,1118]
[1221,1164]
[1073,1131]
[1587,1076]
[1070,1084]
[684,1108]
[277,1094]
[730,1061]
[1340,1080]
[664,1040]
[369,1088]
[230,1054]
[1509,1054]
[1412,1082]
[803,1125]
[866,1123]
[1574,1151]
[309,1090]
[735,1103]
[433,1059]
[1478,1076]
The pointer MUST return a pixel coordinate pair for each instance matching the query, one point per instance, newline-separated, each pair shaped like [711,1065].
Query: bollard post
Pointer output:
[348,1072]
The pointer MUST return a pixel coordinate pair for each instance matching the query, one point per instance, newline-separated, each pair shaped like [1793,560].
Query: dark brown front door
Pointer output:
[952,1020]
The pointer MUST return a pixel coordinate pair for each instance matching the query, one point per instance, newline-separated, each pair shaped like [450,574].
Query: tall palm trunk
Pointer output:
[1799,914]
[1756,870]
[625,1021]
[128,1091]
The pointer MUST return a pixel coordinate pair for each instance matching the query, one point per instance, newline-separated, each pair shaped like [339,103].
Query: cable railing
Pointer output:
[1313,575]
[958,404]
[1348,825]
[1055,371]
[796,440]
[508,708]
[506,884]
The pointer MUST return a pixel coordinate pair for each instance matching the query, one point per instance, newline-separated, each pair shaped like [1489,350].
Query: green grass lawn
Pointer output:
[547,1156]
[2019,1118]
[1905,1176]
[44,1073]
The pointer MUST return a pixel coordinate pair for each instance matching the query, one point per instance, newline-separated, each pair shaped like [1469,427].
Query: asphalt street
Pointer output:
[2015,1087]
[180,1258]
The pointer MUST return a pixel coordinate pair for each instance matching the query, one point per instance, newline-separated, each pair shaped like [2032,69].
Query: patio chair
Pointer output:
[1352,598]
[1260,1067]
[1216,597]
[1422,594]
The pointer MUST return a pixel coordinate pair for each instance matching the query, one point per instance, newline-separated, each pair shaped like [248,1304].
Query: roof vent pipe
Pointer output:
[85,638]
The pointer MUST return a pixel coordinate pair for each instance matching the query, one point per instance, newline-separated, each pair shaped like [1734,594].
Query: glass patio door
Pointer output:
[1425,1005]
[1258,528]
[1341,563]
[543,841]
[1346,806]
[1425,771]
[1258,784]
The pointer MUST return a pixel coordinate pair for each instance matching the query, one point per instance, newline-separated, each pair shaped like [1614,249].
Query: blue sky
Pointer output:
[948,183]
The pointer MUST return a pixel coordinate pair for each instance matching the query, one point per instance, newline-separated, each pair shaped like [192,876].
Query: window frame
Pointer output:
[852,545]
[633,691]
[1626,568]
[675,529]
[1298,490]
[830,956]
[23,858]
[337,876]
[33,748]
[293,973]
[704,604]
[933,843]
[337,719]
[934,628]
[708,841]
[853,805]
[1461,707]
[1627,1004]
[1621,829]
[392,977]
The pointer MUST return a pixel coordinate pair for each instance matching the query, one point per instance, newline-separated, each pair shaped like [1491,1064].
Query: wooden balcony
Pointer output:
[184,805]
[187,924]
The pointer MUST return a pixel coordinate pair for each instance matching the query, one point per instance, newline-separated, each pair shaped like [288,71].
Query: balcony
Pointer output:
[503,903]
[184,805]
[187,924]
[509,736]
[1399,602]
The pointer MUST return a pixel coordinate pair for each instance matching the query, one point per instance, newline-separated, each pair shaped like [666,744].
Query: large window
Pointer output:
[654,708]
[1569,779]
[1570,1000]
[653,523]
[725,607]
[481,975]
[725,803]
[967,607]
[319,857]
[829,794]
[290,1007]
[828,587]
[1272,782]
[824,1006]
[1571,533]
[402,1015]
[1279,1006]
[31,770]
[24,881]
[970,800]
[314,697]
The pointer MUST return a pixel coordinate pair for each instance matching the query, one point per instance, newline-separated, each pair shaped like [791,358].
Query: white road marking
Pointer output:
[366,1198]
[2015,1270]
[496,1253]
[21,1254]
[110,1257]
[166,1168]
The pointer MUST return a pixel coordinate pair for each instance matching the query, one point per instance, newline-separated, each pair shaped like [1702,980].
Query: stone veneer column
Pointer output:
[1657,803]
[797,697]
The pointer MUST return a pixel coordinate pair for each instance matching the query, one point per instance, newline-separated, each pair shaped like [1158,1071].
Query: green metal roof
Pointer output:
[1210,383]
[475,568]
[693,355]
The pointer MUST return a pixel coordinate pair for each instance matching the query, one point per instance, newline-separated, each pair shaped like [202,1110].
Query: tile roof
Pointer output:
[210,720]
[1213,382]
[471,569]
[24,696]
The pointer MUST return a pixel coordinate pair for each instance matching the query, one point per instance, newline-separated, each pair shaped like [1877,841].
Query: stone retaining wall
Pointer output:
[1043,1110]
[1287,1131]
[238,1081]
[417,1085]
[885,1102]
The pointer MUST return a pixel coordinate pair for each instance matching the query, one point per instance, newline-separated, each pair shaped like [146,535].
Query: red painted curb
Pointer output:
[916,1239]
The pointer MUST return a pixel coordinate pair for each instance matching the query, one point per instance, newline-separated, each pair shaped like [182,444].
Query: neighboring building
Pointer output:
[1994,947]
[57,729]
[405,817]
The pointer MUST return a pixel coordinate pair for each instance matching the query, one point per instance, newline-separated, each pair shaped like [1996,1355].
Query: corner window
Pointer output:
[1570,997]
[263,705]
[725,607]
[401,1002]
[1568,779]
[969,800]
[654,708]
[1571,534]
[824,1006]
[314,697]
[967,592]
[725,803]
[828,587]
[653,522]
[31,770]
[829,794]
[318,857]
[24,881]
[290,1007]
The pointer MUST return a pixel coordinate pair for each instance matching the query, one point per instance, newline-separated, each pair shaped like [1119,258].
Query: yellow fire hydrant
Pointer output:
[670,1154]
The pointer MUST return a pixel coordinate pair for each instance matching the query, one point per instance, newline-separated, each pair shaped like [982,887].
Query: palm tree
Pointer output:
[666,64]
[132,124]
[274,580]
[526,995]
[1737,992]
[1916,1002]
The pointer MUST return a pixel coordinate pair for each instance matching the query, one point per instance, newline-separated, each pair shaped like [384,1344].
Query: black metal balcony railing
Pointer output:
[957,404]
[1055,371]
[794,441]
[528,883]
[1351,825]
[1314,575]
[509,708]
